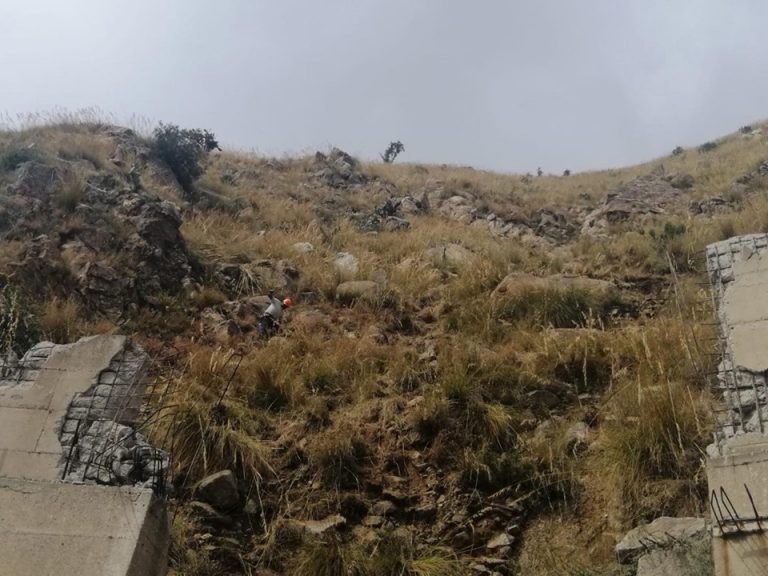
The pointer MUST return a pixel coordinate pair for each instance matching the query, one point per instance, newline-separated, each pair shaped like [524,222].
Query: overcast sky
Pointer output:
[504,84]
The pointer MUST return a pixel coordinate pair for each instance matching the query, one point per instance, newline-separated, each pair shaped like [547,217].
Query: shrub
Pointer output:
[489,469]
[659,433]
[708,146]
[70,195]
[184,151]
[60,321]
[559,308]
[15,157]
[209,296]
[392,151]
[338,456]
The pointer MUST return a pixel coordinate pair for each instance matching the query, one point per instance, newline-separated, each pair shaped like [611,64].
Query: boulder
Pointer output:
[672,562]
[712,205]
[355,289]
[394,224]
[338,170]
[407,206]
[303,247]
[458,208]
[318,527]
[346,264]
[501,540]
[103,288]
[519,282]
[645,195]
[449,254]
[383,508]
[220,491]
[660,533]
[553,225]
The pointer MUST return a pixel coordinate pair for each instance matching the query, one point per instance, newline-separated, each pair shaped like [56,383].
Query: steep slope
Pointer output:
[482,372]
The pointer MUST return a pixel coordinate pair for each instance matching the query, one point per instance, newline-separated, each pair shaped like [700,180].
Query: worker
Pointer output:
[269,323]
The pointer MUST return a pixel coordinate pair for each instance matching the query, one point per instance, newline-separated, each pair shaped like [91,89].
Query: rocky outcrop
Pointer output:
[338,170]
[643,196]
[37,181]
[709,206]
[123,248]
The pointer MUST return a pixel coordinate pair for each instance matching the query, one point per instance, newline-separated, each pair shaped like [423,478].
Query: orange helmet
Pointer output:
[287,303]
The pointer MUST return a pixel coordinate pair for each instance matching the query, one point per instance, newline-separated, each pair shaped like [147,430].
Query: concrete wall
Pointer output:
[737,465]
[50,527]
[56,529]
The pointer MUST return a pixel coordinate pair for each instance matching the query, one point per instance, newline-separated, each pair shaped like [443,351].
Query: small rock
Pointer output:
[449,254]
[395,224]
[210,515]
[220,491]
[383,508]
[303,247]
[373,521]
[355,289]
[320,526]
[501,540]
[577,437]
[346,264]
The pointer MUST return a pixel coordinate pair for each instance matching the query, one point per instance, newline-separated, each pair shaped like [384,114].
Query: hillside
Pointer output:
[482,373]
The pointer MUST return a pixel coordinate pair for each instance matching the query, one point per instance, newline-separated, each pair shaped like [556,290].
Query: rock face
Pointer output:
[37,181]
[124,247]
[645,195]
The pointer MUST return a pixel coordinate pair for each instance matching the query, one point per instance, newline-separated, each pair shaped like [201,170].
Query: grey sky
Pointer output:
[509,85]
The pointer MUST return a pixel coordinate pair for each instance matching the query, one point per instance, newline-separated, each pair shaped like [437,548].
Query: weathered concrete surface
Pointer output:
[56,529]
[737,465]
[741,554]
[738,271]
[48,527]
[745,309]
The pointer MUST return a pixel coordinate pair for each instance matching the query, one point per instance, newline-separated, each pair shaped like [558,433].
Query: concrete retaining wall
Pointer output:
[737,465]
[52,527]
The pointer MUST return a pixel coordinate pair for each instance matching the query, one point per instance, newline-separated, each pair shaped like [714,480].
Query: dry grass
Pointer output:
[61,321]
[638,383]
